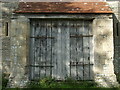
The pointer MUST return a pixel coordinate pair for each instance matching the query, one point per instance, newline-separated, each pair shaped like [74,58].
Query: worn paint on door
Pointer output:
[61,49]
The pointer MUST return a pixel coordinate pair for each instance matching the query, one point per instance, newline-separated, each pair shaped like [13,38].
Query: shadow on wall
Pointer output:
[116,26]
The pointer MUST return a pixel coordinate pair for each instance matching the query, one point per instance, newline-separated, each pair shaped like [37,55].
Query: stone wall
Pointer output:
[104,51]
[6,9]
[19,37]
[115,6]
[103,48]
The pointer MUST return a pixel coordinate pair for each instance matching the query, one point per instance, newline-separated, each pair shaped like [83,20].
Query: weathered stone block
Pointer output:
[18,41]
[6,54]
[104,22]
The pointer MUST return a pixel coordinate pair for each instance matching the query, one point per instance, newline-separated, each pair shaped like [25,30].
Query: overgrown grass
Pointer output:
[52,83]
[69,83]
[4,81]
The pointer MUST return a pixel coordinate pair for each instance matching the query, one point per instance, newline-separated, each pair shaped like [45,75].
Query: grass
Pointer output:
[4,81]
[52,83]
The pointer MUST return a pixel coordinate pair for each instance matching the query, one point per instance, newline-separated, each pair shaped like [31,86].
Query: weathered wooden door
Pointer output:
[61,49]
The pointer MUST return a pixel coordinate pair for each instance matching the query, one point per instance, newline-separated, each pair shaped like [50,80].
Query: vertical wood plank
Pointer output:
[48,50]
[86,51]
[39,49]
[32,40]
[64,49]
[76,48]
[54,49]
[43,49]
[80,50]
[67,52]
[91,51]
[59,59]
[73,50]
[62,26]
[37,46]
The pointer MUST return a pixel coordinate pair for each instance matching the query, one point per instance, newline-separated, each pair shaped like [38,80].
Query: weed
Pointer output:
[49,82]
[4,81]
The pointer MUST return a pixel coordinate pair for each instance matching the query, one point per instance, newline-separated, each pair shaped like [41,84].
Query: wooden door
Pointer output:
[81,50]
[61,49]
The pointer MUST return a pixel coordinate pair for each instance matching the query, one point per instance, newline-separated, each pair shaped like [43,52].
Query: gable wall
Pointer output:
[6,13]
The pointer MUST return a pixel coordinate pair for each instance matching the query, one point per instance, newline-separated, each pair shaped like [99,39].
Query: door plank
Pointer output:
[86,51]
[59,52]
[37,51]
[54,50]
[91,51]
[43,49]
[80,50]
[48,49]
[72,51]
[32,50]
[67,52]
[64,49]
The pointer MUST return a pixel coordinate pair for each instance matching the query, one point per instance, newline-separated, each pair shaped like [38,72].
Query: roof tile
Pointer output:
[63,7]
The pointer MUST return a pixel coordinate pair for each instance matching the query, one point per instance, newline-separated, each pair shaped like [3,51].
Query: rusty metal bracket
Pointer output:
[79,36]
[43,37]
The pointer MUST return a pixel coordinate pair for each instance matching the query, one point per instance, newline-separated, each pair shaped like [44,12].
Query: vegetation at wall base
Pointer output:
[4,81]
[69,83]
[52,83]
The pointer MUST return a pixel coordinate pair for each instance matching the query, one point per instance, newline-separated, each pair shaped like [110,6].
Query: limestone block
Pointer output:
[103,45]
[23,23]
[22,55]
[13,27]
[104,80]
[18,50]
[18,53]
[115,10]
[113,3]
[18,40]
[104,22]
[103,31]
[6,55]
[6,40]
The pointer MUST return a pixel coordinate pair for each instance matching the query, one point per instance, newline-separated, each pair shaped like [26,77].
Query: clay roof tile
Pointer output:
[63,7]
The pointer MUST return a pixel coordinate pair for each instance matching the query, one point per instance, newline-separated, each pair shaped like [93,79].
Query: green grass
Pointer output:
[52,83]
[69,83]
[4,81]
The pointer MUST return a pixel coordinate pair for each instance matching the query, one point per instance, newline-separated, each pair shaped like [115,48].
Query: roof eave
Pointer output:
[70,12]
